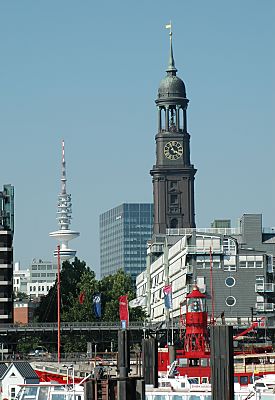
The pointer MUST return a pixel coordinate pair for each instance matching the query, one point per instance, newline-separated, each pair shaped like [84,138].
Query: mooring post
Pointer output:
[222,362]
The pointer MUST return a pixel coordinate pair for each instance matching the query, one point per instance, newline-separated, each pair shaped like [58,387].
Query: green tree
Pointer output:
[47,309]
[70,277]
[20,295]
[87,285]
[26,344]
[76,278]
[114,286]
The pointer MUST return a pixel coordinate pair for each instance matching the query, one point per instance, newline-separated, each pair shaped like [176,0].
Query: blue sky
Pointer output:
[89,71]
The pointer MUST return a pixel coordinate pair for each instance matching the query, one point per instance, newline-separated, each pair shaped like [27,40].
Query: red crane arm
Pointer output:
[253,326]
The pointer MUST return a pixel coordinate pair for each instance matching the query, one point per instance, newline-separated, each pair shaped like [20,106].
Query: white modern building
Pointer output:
[21,278]
[37,280]
[234,267]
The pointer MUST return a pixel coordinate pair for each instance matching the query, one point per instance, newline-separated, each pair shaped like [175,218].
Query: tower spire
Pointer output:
[171,70]
[173,174]
[64,215]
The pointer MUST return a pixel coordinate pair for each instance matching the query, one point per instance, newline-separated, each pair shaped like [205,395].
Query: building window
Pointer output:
[174,199]
[229,246]
[230,267]
[254,261]
[204,262]
[242,264]
[173,185]
[230,281]
[244,380]
[230,301]
[259,264]
[174,223]
[12,392]
[260,279]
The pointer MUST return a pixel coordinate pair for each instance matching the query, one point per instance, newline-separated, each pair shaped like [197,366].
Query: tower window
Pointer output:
[174,223]
[174,199]
[173,185]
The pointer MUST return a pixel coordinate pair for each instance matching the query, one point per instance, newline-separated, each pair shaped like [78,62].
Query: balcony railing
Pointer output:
[155,248]
[204,250]
[190,287]
[264,307]
[219,231]
[265,287]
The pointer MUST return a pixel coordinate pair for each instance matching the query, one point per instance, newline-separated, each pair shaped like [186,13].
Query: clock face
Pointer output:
[173,150]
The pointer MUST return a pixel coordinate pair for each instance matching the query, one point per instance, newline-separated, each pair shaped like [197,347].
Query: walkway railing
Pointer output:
[75,326]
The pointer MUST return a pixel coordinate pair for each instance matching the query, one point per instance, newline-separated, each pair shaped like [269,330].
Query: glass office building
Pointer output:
[124,232]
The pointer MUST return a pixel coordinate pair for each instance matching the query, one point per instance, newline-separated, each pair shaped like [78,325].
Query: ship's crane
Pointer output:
[253,326]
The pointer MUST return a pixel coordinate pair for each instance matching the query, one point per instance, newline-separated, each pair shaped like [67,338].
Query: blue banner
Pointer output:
[97,304]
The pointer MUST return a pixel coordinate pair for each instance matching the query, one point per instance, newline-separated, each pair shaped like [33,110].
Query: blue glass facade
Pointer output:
[124,232]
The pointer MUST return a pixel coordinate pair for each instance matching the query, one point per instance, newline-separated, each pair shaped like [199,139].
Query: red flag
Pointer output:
[123,309]
[81,297]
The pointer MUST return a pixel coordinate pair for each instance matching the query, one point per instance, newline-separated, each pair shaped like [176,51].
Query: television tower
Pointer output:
[64,215]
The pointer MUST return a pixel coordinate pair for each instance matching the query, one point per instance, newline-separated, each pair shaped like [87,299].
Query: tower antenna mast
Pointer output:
[64,216]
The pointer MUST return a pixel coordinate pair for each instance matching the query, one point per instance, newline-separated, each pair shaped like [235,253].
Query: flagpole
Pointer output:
[166,272]
[58,303]
[167,327]
[172,319]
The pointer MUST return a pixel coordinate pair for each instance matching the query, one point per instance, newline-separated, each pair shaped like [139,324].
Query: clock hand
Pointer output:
[175,150]
[172,150]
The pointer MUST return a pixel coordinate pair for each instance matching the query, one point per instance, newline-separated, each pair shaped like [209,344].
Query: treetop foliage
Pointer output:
[78,279]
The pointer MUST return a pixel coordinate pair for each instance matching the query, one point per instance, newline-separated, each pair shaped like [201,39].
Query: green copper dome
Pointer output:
[171,86]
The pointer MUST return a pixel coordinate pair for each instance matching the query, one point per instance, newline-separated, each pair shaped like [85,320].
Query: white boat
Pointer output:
[184,388]
[50,391]
[183,384]
[162,394]
[265,384]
